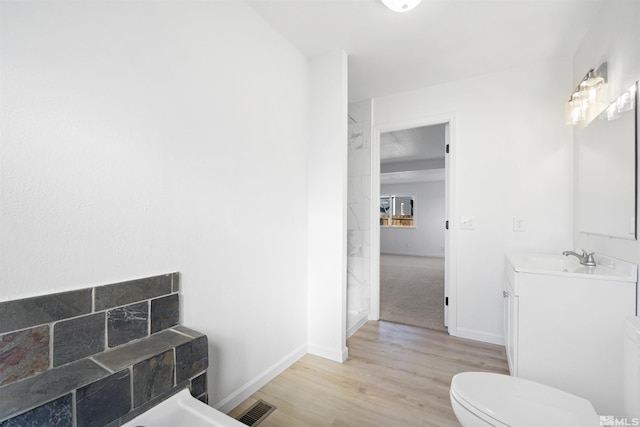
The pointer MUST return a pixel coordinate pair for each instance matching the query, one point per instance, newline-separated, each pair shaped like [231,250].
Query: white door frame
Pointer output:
[450,213]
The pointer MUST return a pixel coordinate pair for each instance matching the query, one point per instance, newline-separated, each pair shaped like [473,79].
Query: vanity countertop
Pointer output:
[559,265]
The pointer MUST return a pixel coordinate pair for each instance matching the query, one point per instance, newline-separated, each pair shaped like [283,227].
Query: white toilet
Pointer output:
[487,399]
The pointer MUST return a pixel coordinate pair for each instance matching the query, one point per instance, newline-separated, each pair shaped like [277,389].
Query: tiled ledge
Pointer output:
[97,356]
[110,387]
[52,330]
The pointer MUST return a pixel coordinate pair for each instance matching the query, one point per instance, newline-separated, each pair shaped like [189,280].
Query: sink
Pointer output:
[551,262]
[606,267]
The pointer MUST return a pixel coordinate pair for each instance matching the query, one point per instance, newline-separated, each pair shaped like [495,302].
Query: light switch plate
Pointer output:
[518,223]
[467,223]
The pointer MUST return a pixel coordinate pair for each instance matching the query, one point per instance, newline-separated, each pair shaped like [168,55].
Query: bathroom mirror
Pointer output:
[606,152]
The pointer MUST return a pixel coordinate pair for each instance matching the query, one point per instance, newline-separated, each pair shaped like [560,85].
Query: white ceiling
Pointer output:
[408,147]
[427,142]
[408,177]
[438,41]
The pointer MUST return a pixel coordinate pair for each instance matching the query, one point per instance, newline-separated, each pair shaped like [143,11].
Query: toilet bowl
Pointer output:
[488,399]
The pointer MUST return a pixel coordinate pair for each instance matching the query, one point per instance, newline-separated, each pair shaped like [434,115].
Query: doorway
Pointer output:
[412,162]
[412,214]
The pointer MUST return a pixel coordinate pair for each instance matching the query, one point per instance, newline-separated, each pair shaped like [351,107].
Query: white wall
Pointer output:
[614,37]
[327,207]
[513,158]
[427,237]
[147,137]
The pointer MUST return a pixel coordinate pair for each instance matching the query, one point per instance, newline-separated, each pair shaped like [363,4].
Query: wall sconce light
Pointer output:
[588,99]
[401,5]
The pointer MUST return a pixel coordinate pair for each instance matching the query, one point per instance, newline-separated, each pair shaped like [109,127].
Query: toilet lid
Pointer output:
[519,402]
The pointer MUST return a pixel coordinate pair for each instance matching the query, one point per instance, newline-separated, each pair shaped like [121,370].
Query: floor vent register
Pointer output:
[256,413]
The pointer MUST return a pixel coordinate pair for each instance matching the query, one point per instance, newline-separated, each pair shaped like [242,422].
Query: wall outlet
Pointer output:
[467,223]
[518,223]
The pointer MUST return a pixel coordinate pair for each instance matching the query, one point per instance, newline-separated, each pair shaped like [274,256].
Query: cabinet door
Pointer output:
[506,325]
[571,334]
[513,330]
[510,326]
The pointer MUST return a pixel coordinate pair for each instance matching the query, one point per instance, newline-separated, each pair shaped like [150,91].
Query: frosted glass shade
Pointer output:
[587,103]
[401,5]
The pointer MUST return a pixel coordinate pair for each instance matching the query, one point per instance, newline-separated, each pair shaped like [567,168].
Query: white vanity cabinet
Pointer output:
[564,324]
[510,320]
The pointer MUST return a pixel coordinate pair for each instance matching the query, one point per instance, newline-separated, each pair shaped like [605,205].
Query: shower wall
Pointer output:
[358,216]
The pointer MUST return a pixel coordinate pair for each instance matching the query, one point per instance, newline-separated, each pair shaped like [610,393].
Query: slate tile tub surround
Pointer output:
[199,387]
[165,312]
[105,400]
[128,323]
[80,321]
[57,413]
[23,354]
[191,358]
[32,392]
[124,293]
[152,377]
[99,367]
[86,334]
[28,312]
[145,375]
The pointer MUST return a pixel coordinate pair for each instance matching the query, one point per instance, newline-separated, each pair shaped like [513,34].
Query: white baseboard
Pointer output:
[412,254]
[247,389]
[357,324]
[479,336]
[331,354]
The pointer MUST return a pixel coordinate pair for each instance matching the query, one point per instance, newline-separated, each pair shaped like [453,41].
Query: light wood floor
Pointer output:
[396,375]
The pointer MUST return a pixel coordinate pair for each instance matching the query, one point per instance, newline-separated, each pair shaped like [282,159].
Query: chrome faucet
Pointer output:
[585,258]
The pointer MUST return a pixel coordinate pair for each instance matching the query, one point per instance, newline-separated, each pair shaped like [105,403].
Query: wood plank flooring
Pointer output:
[396,375]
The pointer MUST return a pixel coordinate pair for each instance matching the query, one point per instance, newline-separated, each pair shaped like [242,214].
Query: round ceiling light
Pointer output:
[401,5]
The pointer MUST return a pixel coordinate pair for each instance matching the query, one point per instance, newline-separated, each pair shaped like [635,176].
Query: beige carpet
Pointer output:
[412,290]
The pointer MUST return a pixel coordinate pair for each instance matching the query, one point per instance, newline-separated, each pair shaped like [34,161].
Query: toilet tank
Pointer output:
[632,367]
